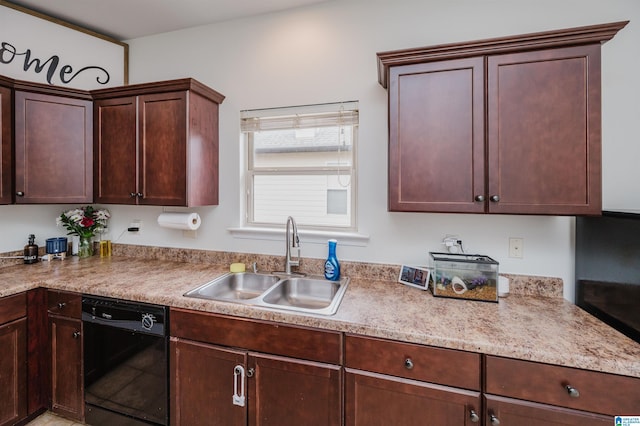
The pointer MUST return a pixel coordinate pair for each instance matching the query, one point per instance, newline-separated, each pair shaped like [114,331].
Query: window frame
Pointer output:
[250,171]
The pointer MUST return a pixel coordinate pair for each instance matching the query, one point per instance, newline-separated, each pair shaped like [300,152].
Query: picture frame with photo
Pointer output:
[415,276]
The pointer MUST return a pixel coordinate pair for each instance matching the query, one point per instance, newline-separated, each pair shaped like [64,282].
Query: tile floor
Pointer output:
[50,419]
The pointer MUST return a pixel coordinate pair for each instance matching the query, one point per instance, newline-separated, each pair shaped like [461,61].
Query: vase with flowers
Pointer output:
[84,222]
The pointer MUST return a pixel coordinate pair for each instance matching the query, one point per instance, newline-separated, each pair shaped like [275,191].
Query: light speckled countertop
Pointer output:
[542,329]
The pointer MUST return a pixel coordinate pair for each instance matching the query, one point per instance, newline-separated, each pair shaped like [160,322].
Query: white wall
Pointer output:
[326,53]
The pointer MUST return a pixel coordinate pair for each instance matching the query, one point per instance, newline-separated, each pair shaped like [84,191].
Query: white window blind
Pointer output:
[324,115]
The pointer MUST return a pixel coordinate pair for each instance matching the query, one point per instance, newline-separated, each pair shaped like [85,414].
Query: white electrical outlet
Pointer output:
[516,248]
[453,243]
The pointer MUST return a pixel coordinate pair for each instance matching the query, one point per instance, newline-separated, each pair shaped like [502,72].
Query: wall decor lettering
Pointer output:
[38,48]
[8,54]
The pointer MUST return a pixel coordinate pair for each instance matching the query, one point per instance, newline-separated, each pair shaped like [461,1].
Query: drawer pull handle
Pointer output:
[573,392]
[61,305]
[494,420]
[473,416]
[408,363]
[76,334]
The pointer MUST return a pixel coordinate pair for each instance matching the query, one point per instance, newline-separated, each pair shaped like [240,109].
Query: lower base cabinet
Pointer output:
[65,337]
[202,384]
[13,359]
[397,383]
[295,378]
[376,399]
[534,394]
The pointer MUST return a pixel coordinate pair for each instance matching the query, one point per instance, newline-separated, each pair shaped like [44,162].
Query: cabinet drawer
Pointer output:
[597,392]
[13,307]
[255,335]
[64,303]
[509,411]
[412,361]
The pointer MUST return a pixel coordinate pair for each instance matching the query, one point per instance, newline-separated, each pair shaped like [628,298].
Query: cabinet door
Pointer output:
[287,391]
[53,149]
[115,160]
[162,123]
[509,411]
[436,137]
[13,372]
[375,399]
[202,385]
[6,142]
[544,131]
[67,386]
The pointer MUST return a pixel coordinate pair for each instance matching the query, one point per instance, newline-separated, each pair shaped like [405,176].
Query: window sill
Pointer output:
[306,236]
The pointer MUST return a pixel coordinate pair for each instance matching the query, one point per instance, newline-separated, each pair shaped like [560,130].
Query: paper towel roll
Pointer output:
[184,221]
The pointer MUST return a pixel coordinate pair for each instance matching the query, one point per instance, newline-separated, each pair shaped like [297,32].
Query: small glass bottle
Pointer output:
[332,266]
[31,250]
[105,243]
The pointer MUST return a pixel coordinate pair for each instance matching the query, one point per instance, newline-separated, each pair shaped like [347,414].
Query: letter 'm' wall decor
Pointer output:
[37,48]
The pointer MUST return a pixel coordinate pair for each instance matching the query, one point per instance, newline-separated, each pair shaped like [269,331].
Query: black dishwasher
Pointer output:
[125,362]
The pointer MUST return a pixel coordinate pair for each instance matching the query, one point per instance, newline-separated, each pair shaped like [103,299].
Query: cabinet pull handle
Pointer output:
[61,305]
[494,420]
[473,416]
[573,392]
[408,364]
[20,194]
[238,375]
[76,334]
[495,198]
[479,198]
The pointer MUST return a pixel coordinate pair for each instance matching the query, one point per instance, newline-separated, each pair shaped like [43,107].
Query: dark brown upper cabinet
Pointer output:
[508,125]
[6,145]
[53,145]
[157,144]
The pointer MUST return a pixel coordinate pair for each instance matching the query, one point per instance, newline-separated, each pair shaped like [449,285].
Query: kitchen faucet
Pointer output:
[291,241]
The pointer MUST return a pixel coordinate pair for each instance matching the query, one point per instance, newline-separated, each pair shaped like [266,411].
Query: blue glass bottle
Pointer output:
[332,266]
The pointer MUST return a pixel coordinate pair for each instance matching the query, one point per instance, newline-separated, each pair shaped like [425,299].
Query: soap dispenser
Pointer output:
[332,266]
[31,250]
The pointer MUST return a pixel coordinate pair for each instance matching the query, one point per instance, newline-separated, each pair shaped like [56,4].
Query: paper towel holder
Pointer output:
[187,222]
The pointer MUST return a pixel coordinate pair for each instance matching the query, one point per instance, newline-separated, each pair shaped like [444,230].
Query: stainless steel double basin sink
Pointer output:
[307,294]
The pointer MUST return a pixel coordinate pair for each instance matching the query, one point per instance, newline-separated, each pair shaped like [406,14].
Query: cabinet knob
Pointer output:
[76,334]
[61,305]
[479,198]
[139,195]
[251,372]
[474,417]
[408,364]
[494,420]
[573,392]
[495,198]
[20,194]
[132,194]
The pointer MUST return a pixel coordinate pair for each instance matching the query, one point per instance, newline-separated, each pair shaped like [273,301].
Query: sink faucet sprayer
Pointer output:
[292,242]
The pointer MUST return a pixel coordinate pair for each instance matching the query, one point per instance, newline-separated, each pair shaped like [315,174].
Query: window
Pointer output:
[301,163]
